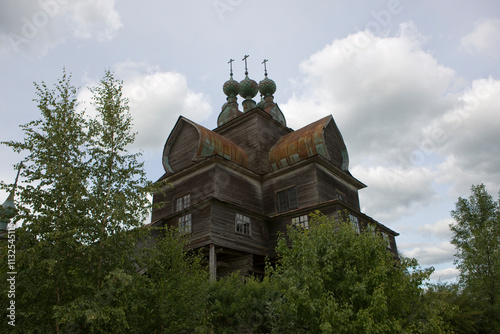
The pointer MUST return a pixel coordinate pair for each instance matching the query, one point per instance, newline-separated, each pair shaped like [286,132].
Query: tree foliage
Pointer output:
[174,286]
[476,237]
[81,198]
[334,280]
[242,304]
[329,279]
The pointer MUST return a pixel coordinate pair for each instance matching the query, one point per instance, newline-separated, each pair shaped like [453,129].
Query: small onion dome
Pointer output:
[248,88]
[231,87]
[267,87]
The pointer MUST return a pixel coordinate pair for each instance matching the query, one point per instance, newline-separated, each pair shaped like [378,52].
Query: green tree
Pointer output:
[476,237]
[454,306]
[242,304]
[50,207]
[174,286]
[82,197]
[336,281]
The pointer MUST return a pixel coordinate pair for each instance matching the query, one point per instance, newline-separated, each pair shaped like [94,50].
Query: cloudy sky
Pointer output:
[414,86]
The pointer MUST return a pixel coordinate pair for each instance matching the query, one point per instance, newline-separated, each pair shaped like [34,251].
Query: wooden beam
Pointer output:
[212,262]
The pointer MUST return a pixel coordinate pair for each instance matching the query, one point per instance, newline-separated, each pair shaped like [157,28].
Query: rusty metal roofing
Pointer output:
[212,143]
[207,143]
[300,144]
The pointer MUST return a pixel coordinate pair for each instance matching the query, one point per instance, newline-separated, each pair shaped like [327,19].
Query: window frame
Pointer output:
[355,223]
[287,199]
[182,202]
[242,224]
[185,224]
[301,221]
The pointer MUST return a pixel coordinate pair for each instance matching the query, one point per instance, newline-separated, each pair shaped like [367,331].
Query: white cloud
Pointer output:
[469,138]
[445,274]
[96,18]
[432,254]
[35,26]
[439,229]
[394,192]
[408,121]
[484,39]
[382,92]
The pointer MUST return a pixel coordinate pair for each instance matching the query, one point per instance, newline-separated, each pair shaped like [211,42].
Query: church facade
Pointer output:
[235,188]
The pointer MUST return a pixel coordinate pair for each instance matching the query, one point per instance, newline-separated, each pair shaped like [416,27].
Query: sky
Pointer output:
[414,86]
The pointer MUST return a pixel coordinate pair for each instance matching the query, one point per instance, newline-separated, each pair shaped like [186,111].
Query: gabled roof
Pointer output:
[206,143]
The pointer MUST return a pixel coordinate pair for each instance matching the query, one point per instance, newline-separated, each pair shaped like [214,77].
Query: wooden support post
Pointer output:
[212,262]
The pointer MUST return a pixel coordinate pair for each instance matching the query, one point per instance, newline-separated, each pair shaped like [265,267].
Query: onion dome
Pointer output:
[267,87]
[248,88]
[231,87]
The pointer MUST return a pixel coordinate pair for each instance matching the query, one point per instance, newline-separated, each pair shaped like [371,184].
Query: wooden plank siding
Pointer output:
[335,145]
[330,186]
[199,186]
[303,178]
[224,234]
[259,133]
[237,188]
[200,223]
[183,150]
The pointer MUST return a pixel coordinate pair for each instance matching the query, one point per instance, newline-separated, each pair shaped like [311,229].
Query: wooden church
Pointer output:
[234,188]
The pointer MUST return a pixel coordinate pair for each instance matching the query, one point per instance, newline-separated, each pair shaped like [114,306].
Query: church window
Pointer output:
[287,199]
[242,224]
[354,222]
[301,221]
[185,224]
[182,202]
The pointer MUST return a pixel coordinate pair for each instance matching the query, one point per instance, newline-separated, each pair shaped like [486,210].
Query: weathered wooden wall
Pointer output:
[223,230]
[184,147]
[199,184]
[238,188]
[334,144]
[303,178]
[258,134]
[330,185]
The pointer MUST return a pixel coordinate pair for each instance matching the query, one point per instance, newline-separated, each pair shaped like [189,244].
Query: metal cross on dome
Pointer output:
[265,67]
[230,62]
[246,68]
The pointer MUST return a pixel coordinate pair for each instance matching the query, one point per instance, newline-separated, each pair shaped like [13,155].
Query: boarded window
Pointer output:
[182,202]
[185,224]
[242,224]
[287,199]
[301,221]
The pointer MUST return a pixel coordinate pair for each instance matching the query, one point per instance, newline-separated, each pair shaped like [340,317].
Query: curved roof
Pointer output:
[212,143]
[203,143]
[308,141]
